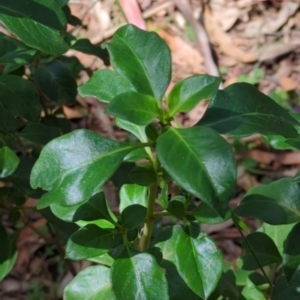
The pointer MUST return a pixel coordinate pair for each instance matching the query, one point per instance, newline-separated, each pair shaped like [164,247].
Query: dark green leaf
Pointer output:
[74,167]
[85,46]
[133,215]
[7,121]
[73,64]
[105,85]
[8,253]
[241,110]
[132,194]
[143,175]
[134,107]
[12,195]
[57,82]
[138,277]
[187,93]
[197,259]
[121,175]
[291,255]
[89,241]
[20,97]
[264,248]
[177,206]
[9,162]
[201,162]
[64,125]
[39,133]
[93,283]
[143,58]
[276,203]
[43,20]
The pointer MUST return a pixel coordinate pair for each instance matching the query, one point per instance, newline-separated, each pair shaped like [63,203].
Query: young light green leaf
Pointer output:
[43,20]
[195,256]
[138,131]
[138,277]
[133,215]
[264,249]
[276,203]
[134,107]
[89,241]
[251,292]
[132,194]
[291,253]
[57,82]
[20,97]
[148,53]
[241,109]
[39,133]
[201,162]
[105,85]
[93,283]
[187,93]
[74,167]
[9,162]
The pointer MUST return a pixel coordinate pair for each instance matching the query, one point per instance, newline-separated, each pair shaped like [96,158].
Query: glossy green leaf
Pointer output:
[39,133]
[20,97]
[276,203]
[143,175]
[105,85]
[134,107]
[291,255]
[7,121]
[9,162]
[241,109]
[250,292]
[278,233]
[196,258]
[135,155]
[187,93]
[279,142]
[57,82]
[89,241]
[138,131]
[264,248]
[133,215]
[148,53]
[138,277]
[43,20]
[74,167]
[177,206]
[132,194]
[93,283]
[8,253]
[85,46]
[201,162]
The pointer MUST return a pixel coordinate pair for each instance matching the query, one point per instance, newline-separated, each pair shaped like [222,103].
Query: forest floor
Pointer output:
[253,41]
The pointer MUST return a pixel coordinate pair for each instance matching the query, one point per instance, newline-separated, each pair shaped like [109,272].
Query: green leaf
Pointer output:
[20,97]
[134,107]
[57,82]
[264,248]
[250,292]
[62,124]
[241,109]
[201,162]
[138,131]
[89,241]
[12,195]
[96,208]
[133,215]
[93,283]
[85,46]
[43,21]
[9,162]
[105,85]
[8,253]
[162,198]
[148,53]
[74,167]
[177,206]
[7,121]
[132,194]
[197,259]
[187,93]
[39,133]
[291,255]
[276,203]
[143,175]
[138,277]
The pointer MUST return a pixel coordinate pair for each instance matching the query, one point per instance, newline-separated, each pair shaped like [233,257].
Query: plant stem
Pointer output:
[162,213]
[122,11]
[252,252]
[145,239]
